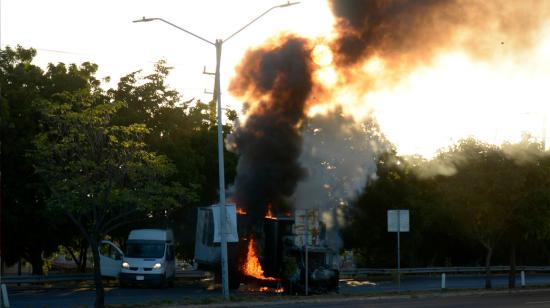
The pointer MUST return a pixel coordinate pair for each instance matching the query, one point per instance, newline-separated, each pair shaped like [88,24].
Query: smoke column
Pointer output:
[276,81]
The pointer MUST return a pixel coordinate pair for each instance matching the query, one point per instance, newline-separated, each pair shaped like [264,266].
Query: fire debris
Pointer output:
[252,266]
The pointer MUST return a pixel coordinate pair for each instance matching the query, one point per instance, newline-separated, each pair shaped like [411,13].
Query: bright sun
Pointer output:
[457,98]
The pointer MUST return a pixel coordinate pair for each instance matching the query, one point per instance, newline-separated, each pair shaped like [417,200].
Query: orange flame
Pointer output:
[265,289]
[241,211]
[271,290]
[252,267]
[269,213]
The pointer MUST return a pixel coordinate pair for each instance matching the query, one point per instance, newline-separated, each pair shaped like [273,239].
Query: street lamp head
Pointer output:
[288,3]
[144,19]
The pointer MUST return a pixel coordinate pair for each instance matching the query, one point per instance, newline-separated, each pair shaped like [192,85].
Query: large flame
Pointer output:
[252,267]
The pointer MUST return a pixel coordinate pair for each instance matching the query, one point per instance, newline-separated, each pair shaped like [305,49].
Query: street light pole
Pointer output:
[217,95]
[221,173]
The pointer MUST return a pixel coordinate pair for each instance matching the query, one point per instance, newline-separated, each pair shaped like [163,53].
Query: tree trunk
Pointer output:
[99,292]
[83,259]
[19,267]
[37,263]
[512,273]
[488,284]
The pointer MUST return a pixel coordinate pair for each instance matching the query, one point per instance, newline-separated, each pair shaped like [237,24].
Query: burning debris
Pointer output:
[269,213]
[252,266]
[274,257]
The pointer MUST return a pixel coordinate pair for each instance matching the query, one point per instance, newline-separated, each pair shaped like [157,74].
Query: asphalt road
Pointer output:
[424,283]
[71,297]
[535,299]
[84,297]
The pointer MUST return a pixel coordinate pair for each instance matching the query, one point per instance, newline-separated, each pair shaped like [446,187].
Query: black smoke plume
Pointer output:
[276,81]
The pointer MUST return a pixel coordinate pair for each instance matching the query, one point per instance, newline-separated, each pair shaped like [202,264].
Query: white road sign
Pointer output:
[306,218]
[230,223]
[398,215]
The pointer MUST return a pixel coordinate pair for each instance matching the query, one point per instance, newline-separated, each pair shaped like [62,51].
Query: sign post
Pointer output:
[398,221]
[306,228]
[307,260]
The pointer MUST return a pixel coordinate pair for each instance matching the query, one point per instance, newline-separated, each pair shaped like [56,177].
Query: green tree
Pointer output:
[22,87]
[402,183]
[101,175]
[532,212]
[484,194]
[184,131]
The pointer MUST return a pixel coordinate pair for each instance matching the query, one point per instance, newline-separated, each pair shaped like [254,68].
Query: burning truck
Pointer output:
[281,253]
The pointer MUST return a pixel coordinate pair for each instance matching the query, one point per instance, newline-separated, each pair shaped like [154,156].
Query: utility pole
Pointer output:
[221,173]
[306,251]
[1,161]
[544,123]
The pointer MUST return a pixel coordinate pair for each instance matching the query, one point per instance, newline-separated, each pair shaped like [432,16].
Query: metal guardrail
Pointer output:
[440,270]
[13,279]
[197,274]
[10,279]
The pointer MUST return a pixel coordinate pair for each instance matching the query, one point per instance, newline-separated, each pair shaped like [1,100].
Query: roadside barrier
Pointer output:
[16,279]
[346,273]
[4,295]
[439,270]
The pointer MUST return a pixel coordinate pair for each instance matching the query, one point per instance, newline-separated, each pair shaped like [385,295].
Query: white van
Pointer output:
[149,258]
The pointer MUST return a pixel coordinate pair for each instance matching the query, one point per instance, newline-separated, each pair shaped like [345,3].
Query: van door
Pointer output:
[110,258]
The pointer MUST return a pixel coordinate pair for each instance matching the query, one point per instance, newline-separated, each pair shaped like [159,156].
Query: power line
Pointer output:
[124,59]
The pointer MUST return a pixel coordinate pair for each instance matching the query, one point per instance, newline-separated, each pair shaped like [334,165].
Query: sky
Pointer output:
[101,31]
[428,109]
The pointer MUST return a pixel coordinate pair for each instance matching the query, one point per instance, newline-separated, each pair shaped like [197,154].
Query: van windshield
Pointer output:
[144,249]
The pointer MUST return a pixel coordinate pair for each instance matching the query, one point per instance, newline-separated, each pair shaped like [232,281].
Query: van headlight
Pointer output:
[125,265]
[157,266]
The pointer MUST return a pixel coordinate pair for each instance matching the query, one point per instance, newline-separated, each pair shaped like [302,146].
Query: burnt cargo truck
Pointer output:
[274,251]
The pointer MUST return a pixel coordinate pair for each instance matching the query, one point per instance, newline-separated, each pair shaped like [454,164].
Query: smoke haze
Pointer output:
[340,156]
